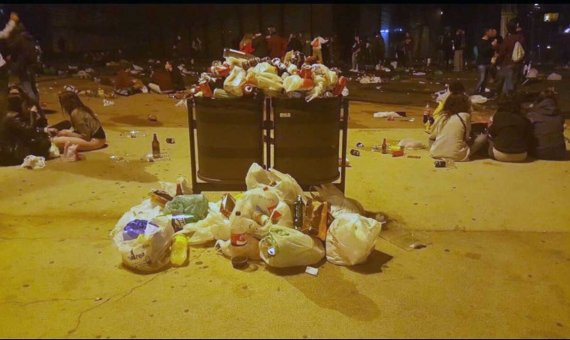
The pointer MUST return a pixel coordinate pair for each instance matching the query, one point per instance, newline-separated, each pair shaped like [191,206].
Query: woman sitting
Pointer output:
[450,136]
[547,127]
[510,132]
[168,80]
[126,85]
[85,129]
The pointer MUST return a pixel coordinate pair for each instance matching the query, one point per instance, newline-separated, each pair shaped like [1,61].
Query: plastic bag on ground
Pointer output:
[386,115]
[286,247]
[195,205]
[532,73]
[146,210]
[412,144]
[339,203]
[478,99]
[554,76]
[149,251]
[33,162]
[287,188]
[351,238]
[250,250]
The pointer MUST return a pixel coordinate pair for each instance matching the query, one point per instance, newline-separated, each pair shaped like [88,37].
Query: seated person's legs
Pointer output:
[83,145]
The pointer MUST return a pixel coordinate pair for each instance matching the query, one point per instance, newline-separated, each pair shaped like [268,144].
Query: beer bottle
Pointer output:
[384,146]
[155,147]
[299,208]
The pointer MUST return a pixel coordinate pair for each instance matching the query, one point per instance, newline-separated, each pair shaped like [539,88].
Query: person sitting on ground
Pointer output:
[509,132]
[548,127]
[168,80]
[455,88]
[125,84]
[83,129]
[20,133]
[450,138]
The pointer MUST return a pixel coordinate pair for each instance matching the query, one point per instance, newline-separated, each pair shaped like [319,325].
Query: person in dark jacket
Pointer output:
[20,134]
[506,72]
[259,44]
[510,132]
[484,54]
[547,127]
[294,43]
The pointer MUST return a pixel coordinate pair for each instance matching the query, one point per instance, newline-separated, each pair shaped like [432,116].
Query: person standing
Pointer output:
[259,45]
[294,43]
[196,49]
[484,54]
[4,77]
[447,47]
[274,44]
[378,48]
[505,61]
[458,46]
[356,48]
[316,44]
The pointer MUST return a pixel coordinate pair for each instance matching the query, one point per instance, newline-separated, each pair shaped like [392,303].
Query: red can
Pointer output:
[205,88]
[238,240]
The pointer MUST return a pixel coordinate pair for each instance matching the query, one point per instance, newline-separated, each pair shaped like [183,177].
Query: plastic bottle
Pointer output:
[228,52]
[155,147]
[179,251]
[239,229]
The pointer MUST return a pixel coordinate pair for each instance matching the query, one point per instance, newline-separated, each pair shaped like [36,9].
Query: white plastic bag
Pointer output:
[147,210]
[286,187]
[386,115]
[351,238]
[250,250]
[234,81]
[286,247]
[339,203]
[411,144]
[478,99]
[33,162]
[554,76]
[147,253]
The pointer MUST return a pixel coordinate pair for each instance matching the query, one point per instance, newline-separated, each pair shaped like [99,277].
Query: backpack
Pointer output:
[518,52]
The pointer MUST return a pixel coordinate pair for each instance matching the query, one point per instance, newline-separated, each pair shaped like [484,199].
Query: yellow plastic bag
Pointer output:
[234,81]
[292,83]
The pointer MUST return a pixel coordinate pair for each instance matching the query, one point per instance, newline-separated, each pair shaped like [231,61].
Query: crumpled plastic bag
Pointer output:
[33,162]
[192,205]
[146,210]
[554,76]
[286,247]
[370,80]
[270,83]
[287,188]
[478,99]
[411,144]
[234,81]
[149,252]
[250,250]
[532,73]
[386,115]
[54,151]
[264,67]
[339,203]
[319,88]
[351,238]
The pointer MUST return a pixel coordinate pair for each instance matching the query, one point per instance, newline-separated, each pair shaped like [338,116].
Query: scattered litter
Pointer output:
[144,89]
[312,271]
[148,157]
[108,102]
[70,153]
[419,73]
[360,145]
[532,73]
[152,118]
[404,239]
[116,158]
[386,115]
[33,162]
[411,144]
[137,68]
[70,88]
[554,76]
[413,156]
[355,152]
[417,245]
[370,80]
[346,161]
[394,64]
[170,140]
[182,102]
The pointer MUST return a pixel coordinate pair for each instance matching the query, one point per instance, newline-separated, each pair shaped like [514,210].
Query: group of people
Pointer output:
[515,132]
[24,128]
[503,57]
[367,52]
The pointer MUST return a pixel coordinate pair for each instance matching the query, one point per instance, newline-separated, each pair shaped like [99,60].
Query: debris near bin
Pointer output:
[258,225]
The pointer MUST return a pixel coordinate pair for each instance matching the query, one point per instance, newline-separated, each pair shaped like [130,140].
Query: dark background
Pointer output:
[150,29]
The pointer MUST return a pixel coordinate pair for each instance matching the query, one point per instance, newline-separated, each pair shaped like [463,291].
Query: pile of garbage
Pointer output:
[242,74]
[273,221]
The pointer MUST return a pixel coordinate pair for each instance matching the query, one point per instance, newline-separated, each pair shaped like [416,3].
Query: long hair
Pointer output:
[70,101]
[247,38]
[455,104]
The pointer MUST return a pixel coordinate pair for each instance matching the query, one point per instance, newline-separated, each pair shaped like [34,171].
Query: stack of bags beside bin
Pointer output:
[259,224]
[242,74]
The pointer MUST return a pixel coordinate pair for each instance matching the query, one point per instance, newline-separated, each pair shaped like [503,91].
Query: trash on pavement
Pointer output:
[554,76]
[33,162]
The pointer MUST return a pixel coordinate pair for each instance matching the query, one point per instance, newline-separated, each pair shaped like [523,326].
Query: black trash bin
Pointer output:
[229,138]
[306,139]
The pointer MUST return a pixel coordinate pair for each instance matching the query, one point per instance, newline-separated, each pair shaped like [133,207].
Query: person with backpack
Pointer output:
[510,56]
[547,127]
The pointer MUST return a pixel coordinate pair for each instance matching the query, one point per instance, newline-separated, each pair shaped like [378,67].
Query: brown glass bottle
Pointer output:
[155,147]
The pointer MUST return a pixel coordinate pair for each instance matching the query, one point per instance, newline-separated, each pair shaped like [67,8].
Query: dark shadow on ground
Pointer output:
[373,264]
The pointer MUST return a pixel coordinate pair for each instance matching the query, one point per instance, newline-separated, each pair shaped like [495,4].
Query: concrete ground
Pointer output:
[497,261]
